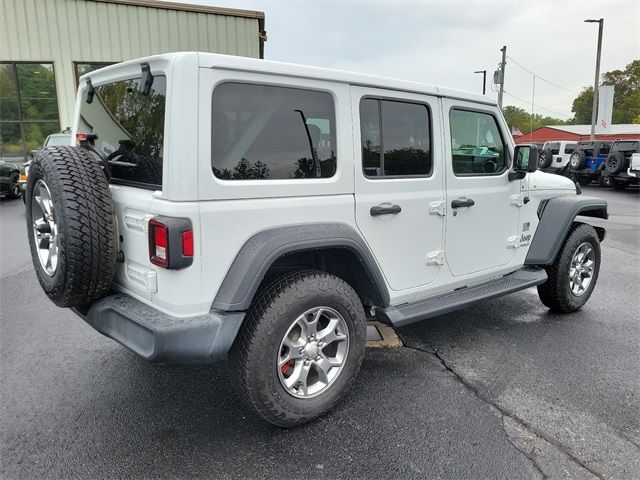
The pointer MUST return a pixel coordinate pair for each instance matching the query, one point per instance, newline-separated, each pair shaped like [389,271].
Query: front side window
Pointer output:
[130,129]
[267,132]
[395,138]
[28,108]
[476,144]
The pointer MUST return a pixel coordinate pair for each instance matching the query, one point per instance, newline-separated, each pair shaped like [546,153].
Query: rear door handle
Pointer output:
[386,210]
[466,202]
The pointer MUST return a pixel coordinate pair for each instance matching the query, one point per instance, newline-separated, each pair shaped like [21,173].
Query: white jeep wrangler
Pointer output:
[220,206]
[555,156]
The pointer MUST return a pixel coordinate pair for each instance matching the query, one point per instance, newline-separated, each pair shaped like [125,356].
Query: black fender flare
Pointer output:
[556,215]
[253,260]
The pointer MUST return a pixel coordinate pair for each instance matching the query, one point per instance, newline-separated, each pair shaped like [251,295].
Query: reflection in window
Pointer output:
[28,108]
[477,147]
[267,132]
[395,138]
[130,128]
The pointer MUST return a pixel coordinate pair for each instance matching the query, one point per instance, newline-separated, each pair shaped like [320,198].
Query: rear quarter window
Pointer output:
[269,132]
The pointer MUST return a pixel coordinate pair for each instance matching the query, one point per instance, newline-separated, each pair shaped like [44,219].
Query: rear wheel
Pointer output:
[299,348]
[574,273]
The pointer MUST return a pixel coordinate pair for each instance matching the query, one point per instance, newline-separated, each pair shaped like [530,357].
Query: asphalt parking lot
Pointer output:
[500,390]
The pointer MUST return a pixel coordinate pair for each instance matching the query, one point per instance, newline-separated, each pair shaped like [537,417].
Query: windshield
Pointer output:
[130,129]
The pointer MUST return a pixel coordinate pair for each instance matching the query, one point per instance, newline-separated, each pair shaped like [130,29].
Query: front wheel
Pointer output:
[574,273]
[299,348]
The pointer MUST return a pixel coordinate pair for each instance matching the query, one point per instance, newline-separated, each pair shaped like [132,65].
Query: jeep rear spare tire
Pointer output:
[71,226]
[576,161]
[615,162]
[545,158]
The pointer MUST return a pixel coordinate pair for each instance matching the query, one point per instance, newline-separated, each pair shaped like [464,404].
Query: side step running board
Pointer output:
[458,299]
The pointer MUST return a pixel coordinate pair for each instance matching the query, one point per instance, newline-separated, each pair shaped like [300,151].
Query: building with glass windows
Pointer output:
[46,45]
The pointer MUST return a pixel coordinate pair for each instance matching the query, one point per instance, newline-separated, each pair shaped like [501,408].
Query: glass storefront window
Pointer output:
[28,108]
[83,68]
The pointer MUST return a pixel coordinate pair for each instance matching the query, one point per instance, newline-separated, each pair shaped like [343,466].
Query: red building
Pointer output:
[577,133]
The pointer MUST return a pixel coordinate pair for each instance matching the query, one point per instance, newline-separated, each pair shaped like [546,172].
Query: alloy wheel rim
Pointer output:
[45,228]
[313,352]
[581,269]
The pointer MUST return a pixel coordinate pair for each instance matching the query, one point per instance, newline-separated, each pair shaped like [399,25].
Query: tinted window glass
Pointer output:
[266,132]
[604,149]
[477,147]
[130,129]
[570,148]
[395,138]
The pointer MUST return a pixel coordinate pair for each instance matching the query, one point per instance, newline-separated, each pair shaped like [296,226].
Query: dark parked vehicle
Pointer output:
[587,162]
[617,164]
[9,176]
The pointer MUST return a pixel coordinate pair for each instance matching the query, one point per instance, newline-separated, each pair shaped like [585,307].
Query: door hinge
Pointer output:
[438,208]
[513,241]
[435,258]
[519,199]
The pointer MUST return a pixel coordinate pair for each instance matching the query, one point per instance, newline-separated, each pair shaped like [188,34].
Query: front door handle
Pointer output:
[459,202]
[386,210]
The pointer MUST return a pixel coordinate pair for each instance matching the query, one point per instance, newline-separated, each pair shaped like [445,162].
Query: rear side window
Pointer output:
[396,138]
[267,132]
[130,129]
[476,144]
[570,148]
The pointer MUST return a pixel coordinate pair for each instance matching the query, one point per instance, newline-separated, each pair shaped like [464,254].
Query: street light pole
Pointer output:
[594,109]
[484,80]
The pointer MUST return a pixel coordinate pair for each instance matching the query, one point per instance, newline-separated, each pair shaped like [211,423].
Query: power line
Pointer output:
[543,79]
[537,106]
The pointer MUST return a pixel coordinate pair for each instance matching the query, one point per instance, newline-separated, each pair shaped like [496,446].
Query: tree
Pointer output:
[626,100]
[522,120]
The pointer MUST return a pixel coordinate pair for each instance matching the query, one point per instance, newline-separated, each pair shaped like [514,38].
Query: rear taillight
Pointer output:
[170,242]
[158,245]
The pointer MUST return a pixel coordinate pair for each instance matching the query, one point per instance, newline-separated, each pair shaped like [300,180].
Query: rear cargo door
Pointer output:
[129,126]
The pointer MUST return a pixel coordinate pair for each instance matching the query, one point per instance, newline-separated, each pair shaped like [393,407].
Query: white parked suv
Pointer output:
[218,206]
[555,156]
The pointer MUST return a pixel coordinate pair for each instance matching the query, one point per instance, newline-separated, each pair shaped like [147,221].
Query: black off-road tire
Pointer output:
[86,225]
[545,159]
[615,162]
[555,292]
[254,356]
[14,187]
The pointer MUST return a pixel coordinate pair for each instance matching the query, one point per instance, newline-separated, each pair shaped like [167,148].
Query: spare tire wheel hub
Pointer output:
[45,229]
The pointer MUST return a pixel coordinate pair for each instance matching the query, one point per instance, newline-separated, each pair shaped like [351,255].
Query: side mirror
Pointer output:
[526,158]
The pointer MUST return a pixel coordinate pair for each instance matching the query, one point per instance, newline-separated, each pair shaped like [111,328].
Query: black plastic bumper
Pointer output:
[159,337]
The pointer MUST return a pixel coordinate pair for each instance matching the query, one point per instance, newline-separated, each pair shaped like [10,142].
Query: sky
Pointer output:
[444,42]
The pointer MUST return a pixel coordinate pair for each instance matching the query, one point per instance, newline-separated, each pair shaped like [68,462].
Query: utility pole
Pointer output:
[594,109]
[503,63]
[484,80]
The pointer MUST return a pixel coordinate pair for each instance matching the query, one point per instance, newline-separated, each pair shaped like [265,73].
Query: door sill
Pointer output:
[461,298]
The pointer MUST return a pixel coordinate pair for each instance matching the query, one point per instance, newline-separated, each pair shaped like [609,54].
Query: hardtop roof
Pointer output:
[231,62]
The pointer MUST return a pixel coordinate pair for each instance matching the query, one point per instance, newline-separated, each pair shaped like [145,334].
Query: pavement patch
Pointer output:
[380,335]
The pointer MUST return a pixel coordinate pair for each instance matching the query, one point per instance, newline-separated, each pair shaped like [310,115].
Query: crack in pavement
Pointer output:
[530,456]
[504,412]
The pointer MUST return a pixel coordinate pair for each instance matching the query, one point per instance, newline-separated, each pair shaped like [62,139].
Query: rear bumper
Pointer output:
[158,337]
